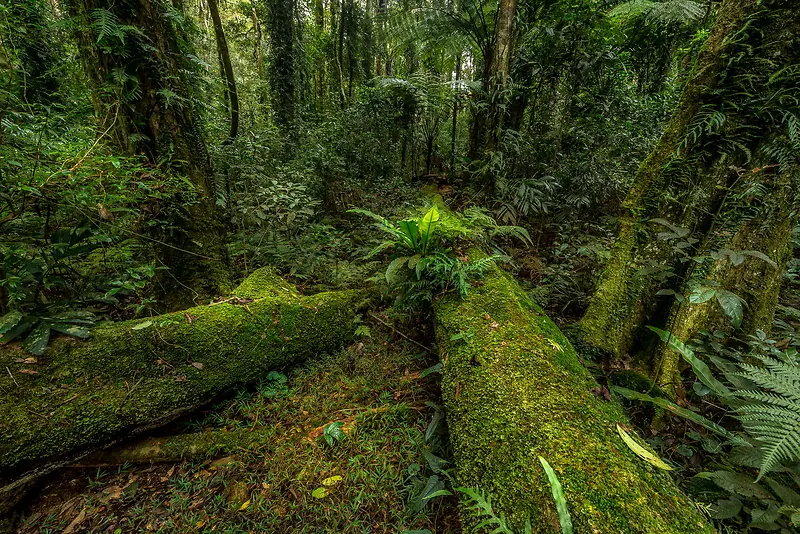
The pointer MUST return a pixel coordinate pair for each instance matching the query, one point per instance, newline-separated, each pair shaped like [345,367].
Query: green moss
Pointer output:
[516,390]
[127,376]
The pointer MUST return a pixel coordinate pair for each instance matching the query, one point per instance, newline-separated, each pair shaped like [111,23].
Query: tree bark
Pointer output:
[720,143]
[227,70]
[282,67]
[150,111]
[140,374]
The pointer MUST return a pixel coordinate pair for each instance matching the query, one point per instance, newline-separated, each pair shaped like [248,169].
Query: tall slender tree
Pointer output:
[718,188]
[280,27]
[227,70]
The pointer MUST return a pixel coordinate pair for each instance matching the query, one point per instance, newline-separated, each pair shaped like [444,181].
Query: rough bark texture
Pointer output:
[135,374]
[715,148]
[517,390]
[142,93]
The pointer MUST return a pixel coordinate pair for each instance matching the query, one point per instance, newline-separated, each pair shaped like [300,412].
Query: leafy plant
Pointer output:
[479,505]
[564,518]
[332,433]
[38,328]
[423,265]
[762,391]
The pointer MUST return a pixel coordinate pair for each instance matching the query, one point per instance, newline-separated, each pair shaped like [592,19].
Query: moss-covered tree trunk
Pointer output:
[515,389]
[143,373]
[722,175]
[136,56]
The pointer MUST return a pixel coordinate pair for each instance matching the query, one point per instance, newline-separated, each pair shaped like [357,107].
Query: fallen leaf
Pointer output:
[320,493]
[332,481]
[189,317]
[26,360]
[200,524]
[75,522]
[197,365]
[244,505]
[28,372]
[181,379]
[641,452]
[223,461]
[601,392]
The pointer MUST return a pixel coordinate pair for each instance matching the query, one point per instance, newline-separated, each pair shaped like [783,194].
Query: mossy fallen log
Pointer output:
[137,375]
[195,446]
[515,390]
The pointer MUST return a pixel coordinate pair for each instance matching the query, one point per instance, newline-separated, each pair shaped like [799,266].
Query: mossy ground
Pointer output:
[374,387]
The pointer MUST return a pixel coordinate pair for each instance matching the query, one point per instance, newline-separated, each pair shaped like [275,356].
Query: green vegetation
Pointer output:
[581,215]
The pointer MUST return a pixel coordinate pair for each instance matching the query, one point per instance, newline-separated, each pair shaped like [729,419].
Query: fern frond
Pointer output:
[479,505]
[772,414]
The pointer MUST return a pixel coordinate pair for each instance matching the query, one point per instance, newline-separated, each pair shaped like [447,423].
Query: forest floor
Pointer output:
[373,387]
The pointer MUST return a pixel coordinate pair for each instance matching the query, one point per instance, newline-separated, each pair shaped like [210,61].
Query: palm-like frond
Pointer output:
[772,413]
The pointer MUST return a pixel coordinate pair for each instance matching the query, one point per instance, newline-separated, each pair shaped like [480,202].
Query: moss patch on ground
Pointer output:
[374,388]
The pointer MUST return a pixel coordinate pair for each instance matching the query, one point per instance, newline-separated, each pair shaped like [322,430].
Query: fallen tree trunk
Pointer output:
[197,446]
[138,375]
[515,390]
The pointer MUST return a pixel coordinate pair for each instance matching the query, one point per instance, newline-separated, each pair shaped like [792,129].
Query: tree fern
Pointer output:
[772,413]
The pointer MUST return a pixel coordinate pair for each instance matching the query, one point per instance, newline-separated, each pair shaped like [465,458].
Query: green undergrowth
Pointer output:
[373,388]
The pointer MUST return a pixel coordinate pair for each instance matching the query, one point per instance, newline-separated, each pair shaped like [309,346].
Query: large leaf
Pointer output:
[564,518]
[641,452]
[427,228]
[9,321]
[18,329]
[698,366]
[410,233]
[37,340]
[680,411]
[391,270]
[732,306]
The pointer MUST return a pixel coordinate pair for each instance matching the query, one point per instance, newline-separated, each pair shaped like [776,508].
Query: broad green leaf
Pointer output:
[142,325]
[564,518]
[738,483]
[699,367]
[71,330]
[732,306]
[641,452]
[411,233]
[393,267]
[9,321]
[37,340]
[760,255]
[726,508]
[702,294]
[427,228]
[332,481]
[680,411]
[20,328]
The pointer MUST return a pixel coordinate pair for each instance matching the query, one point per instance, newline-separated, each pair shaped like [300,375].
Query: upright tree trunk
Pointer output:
[280,25]
[227,70]
[487,125]
[454,133]
[151,112]
[728,138]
